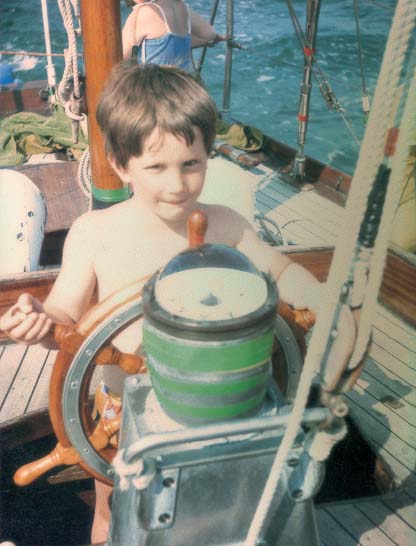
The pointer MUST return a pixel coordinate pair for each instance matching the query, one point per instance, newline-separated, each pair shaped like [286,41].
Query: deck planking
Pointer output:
[375,521]
[24,379]
[382,404]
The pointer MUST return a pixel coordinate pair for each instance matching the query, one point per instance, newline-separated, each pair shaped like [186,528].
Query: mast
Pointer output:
[101,29]
[312,16]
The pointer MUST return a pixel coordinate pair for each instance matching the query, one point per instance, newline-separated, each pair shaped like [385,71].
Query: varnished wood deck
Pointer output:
[376,521]
[24,379]
[383,403]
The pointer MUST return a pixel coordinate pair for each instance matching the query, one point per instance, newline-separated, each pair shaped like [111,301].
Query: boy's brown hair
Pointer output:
[137,99]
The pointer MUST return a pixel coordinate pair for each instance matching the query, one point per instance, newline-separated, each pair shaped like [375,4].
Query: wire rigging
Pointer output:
[364,95]
[319,76]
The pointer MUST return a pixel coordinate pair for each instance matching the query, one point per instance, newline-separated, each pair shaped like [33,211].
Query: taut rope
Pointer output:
[370,158]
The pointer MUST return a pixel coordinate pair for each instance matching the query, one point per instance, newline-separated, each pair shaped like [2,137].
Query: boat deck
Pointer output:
[382,404]
[24,379]
[377,521]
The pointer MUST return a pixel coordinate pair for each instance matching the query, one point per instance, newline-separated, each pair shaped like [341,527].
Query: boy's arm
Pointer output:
[298,287]
[71,294]
[30,321]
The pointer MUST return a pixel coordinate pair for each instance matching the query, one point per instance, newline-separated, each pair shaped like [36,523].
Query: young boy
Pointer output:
[159,128]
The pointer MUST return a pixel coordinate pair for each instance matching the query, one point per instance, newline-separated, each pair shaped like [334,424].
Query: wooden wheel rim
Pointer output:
[69,410]
[92,322]
[74,387]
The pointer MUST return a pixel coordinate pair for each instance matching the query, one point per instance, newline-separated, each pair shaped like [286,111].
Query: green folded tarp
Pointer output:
[25,134]
[238,135]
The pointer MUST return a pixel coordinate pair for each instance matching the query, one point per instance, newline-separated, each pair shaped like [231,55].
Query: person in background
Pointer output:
[164,32]
[7,80]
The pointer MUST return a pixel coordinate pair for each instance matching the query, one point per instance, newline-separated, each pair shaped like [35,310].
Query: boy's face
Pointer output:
[169,175]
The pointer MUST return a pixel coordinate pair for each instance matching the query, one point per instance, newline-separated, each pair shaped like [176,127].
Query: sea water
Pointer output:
[267,71]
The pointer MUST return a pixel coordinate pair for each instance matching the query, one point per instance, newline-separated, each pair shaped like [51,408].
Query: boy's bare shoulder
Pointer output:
[93,225]
[224,213]
[97,218]
[226,223]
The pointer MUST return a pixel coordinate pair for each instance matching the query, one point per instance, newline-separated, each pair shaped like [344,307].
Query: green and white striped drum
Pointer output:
[208,328]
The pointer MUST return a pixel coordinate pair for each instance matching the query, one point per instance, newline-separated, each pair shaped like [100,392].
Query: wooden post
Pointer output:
[101,31]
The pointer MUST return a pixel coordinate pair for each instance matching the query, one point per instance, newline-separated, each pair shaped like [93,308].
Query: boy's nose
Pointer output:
[176,183]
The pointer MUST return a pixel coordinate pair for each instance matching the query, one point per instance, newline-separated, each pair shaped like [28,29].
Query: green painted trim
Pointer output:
[111,196]
[185,356]
[202,389]
[218,413]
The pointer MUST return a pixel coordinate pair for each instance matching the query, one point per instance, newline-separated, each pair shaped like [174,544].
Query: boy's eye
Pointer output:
[156,166]
[191,163]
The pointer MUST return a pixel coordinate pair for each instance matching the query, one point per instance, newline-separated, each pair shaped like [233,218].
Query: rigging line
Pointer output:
[324,86]
[333,104]
[34,53]
[383,6]
[364,95]
[394,190]
[370,158]
[303,43]
[410,176]
[205,48]
[348,125]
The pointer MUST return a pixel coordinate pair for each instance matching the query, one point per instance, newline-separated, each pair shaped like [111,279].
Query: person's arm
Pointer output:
[202,32]
[27,322]
[128,34]
[136,29]
[261,254]
[300,289]
[30,321]
[71,294]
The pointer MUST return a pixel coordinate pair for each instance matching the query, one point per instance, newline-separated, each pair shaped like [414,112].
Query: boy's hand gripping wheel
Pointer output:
[86,344]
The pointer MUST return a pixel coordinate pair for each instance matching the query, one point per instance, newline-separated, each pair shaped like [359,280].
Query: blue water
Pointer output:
[266,73]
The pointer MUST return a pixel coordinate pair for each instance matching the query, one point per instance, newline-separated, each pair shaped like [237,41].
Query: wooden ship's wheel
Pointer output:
[84,441]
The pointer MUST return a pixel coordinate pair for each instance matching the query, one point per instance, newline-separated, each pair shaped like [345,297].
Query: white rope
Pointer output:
[124,470]
[394,191]
[84,175]
[370,158]
[142,473]
[319,444]
[71,60]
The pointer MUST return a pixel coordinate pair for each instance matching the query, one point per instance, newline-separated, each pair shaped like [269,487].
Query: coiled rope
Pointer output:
[370,158]
[71,59]
[84,175]
[70,78]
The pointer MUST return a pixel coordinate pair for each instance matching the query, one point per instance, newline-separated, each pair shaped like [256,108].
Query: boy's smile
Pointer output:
[169,175]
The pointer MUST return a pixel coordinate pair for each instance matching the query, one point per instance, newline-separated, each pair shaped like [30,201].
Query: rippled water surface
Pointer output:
[266,73]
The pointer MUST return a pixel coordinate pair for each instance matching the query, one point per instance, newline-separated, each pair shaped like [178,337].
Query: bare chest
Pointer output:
[122,258]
